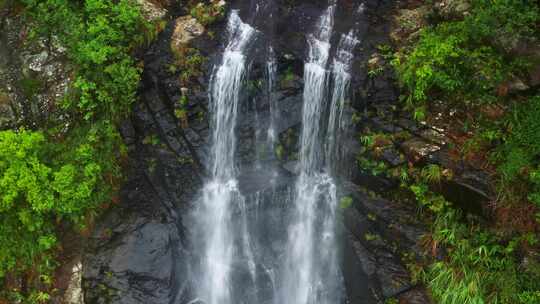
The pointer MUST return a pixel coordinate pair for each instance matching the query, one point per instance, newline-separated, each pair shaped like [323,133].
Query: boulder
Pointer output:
[152,10]
[186,28]
[452,9]
[417,149]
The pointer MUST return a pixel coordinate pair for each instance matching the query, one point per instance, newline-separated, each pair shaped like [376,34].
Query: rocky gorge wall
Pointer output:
[138,250]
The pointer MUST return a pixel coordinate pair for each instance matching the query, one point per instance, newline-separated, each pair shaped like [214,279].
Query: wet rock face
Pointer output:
[381,232]
[139,250]
[34,74]
[136,254]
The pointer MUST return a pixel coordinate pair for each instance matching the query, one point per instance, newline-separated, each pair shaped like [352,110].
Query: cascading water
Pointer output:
[220,196]
[271,71]
[341,80]
[238,261]
[311,273]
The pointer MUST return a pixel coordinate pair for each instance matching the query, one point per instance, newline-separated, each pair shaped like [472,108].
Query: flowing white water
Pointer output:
[341,80]
[271,71]
[221,195]
[311,274]
[238,261]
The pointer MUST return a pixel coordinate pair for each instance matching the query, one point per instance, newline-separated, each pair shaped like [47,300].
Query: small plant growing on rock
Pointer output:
[432,173]
[391,301]
[181,112]
[371,237]
[208,13]
[151,140]
[345,202]
[288,77]
[280,152]
[189,61]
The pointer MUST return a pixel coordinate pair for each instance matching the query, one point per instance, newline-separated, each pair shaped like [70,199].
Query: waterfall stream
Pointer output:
[238,261]
[220,196]
[271,72]
[341,80]
[312,274]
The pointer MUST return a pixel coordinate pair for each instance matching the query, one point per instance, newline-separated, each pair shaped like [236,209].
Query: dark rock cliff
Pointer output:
[138,250]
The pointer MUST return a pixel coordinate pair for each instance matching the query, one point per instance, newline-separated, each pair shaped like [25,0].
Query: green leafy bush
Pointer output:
[60,176]
[39,189]
[99,35]
[461,61]
[25,198]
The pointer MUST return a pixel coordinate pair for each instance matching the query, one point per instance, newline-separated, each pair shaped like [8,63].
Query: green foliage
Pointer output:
[190,61]
[30,86]
[477,262]
[345,202]
[288,77]
[208,13]
[374,167]
[25,196]
[432,173]
[192,66]
[524,138]
[61,176]
[99,35]
[367,140]
[376,140]
[280,152]
[459,60]
[391,301]
[38,188]
[519,155]
[376,71]
[435,203]
[466,64]
[371,237]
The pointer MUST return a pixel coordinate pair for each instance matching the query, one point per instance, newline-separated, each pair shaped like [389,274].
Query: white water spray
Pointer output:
[271,71]
[221,195]
[341,80]
[311,274]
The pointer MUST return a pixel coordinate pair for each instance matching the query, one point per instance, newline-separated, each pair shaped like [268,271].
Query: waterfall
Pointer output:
[220,196]
[311,272]
[271,71]
[289,255]
[341,80]
[314,91]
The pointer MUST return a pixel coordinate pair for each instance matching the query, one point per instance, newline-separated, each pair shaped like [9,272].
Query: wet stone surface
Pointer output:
[138,252]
